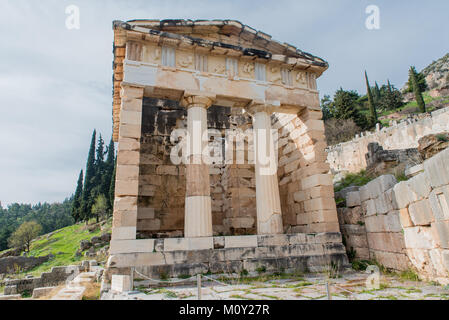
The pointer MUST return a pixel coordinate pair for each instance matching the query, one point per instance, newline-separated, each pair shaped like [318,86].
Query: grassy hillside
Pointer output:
[409,108]
[63,244]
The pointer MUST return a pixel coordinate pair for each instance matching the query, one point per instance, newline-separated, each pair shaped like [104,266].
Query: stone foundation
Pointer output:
[174,257]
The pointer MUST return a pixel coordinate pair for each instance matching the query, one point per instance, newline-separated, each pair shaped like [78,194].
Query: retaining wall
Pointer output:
[402,225]
[350,156]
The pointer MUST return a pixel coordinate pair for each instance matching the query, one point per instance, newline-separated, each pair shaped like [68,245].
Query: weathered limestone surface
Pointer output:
[175,257]
[406,224]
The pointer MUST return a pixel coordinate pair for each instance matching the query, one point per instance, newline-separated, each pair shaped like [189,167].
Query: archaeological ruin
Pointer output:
[263,198]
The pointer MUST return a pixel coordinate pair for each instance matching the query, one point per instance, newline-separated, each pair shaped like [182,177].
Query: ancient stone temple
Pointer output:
[204,85]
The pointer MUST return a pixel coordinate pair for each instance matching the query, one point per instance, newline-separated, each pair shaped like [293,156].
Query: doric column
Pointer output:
[198,212]
[269,216]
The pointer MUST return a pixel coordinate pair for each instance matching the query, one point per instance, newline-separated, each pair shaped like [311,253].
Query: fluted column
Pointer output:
[269,216]
[198,209]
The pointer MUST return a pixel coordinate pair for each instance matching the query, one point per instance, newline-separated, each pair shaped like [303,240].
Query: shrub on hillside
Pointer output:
[25,234]
[340,130]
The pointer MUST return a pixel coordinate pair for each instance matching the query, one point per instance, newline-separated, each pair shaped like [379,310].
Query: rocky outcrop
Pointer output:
[380,161]
[432,144]
[14,252]
[101,242]
[437,73]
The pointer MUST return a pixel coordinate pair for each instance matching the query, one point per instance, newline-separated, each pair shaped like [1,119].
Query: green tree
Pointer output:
[50,216]
[326,107]
[377,94]
[417,89]
[391,98]
[372,107]
[76,204]
[89,181]
[23,236]
[420,79]
[109,171]
[100,207]
[345,106]
[100,169]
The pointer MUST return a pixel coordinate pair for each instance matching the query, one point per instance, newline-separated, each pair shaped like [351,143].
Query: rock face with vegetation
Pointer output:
[437,73]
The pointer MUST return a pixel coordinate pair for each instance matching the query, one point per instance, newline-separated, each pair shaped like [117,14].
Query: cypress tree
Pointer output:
[112,187]
[372,107]
[89,180]
[390,90]
[109,171]
[99,169]
[421,80]
[417,90]
[76,204]
[376,92]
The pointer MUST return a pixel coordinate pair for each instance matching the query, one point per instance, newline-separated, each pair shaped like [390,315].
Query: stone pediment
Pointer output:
[222,32]
[258,67]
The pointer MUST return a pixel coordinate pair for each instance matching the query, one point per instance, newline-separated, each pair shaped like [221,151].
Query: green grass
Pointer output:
[410,106]
[268,296]
[390,297]
[353,179]
[409,275]
[63,244]
[240,297]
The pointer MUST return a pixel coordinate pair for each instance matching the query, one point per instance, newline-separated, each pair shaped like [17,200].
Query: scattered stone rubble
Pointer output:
[381,161]
[96,246]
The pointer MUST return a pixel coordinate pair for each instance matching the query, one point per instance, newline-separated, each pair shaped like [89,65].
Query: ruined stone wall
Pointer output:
[350,156]
[162,183]
[305,185]
[239,182]
[405,224]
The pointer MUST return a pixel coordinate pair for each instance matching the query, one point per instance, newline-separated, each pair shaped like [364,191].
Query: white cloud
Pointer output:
[56,83]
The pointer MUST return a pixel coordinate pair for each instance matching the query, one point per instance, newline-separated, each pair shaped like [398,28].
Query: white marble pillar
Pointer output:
[198,209]
[269,216]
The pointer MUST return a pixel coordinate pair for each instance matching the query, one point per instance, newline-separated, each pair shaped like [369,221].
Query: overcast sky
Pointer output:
[56,87]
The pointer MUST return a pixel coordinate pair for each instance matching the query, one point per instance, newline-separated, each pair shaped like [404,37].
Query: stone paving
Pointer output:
[350,286]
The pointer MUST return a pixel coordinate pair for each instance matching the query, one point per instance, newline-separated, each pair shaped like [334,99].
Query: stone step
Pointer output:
[70,294]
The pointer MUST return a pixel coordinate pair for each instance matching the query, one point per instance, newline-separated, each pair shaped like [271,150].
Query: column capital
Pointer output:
[257,106]
[197,100]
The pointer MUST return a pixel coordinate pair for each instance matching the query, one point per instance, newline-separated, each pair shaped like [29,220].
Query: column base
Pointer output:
[271,226]
[198,217]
